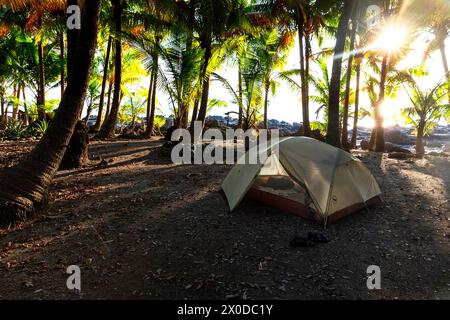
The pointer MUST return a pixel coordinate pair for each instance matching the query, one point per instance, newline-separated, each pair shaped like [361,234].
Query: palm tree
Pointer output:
[426,109]
[216,20]
[23,188]
[321,84]
[133,108]
[439,25]
[333,131]
[344,138]
[98,121]
[272,49]
[179,77]
[109,126]
[309,18]
[358,61]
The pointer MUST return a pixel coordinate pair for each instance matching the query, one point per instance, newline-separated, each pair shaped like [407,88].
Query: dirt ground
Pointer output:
[144,228]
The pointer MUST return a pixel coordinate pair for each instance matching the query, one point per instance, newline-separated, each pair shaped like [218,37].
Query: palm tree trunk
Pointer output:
[88,113]
[344,138]
[305,109]
[266,103]
[108,103]
[240,93]
[420,148]
[98,121]
[62,57]
[109,126]
[205,81]
[151,120]
[194,113]
[23,188]
[2,103]
[16,103]
[445,64]
[333,105]
[72,40]
[41,89]
[379,129]
[308,53]
[355,118]
[149,103]
[25,107]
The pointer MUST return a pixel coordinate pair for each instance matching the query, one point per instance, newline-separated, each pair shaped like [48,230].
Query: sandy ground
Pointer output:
[143,228]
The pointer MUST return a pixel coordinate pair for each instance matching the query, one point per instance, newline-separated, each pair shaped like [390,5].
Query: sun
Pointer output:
[391,38]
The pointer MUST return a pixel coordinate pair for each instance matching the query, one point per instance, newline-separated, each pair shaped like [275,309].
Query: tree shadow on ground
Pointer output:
[160,231]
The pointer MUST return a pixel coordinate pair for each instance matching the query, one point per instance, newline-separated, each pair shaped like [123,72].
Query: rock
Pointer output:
[212,124]
[401,155]
[398,137]
[390,147]
[365,145]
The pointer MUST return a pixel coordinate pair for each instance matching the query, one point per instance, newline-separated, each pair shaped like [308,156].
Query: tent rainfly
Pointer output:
[306,177]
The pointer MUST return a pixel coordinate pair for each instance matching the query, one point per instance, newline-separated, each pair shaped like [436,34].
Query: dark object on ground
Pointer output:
[310,240]
[93,131]
[393,148]
[301,242]
[365,145]
[104,163]
[401,155]
[168,136]
[317,237]
[76,154]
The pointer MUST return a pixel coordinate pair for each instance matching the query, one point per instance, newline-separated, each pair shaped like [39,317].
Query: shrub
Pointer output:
[14,130]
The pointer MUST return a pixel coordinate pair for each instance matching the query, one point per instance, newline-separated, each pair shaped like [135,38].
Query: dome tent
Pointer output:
[305,177]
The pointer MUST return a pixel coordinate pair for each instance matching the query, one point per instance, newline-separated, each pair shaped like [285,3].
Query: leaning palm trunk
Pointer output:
[333,131]
[23,188]
[98,122]
[109,126]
